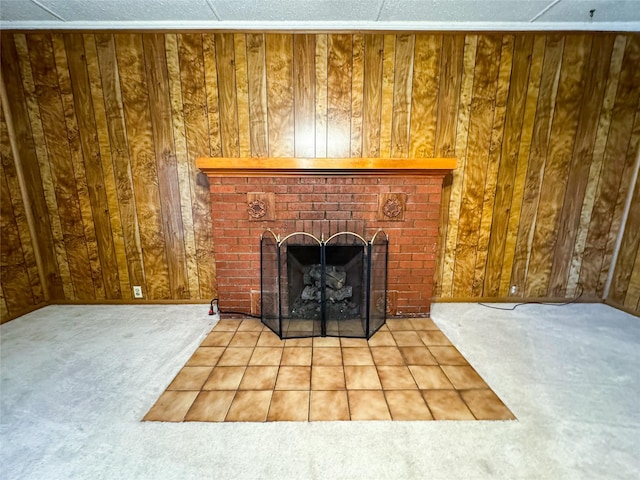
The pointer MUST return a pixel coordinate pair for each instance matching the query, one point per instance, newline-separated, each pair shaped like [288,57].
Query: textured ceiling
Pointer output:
[616,15]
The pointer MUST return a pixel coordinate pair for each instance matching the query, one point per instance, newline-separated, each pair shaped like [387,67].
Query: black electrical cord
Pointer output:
[231,312]
[573,300]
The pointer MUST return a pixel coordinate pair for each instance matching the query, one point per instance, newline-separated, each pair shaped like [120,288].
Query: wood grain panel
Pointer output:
[242,95]
[213,101]
[388,76]
[357,94]
[632,297]
[280,95]
[339,70]
[449,94]
[180,143]
[562,138]
[402,89]
[322,52]
[480,125]
[115,124]
[168,185]
[495,151]
[257,85]
[55,135]
[225,61]
[537,158]
[135,97]
[304,94]
[594,89]
[424,95]
[372,95]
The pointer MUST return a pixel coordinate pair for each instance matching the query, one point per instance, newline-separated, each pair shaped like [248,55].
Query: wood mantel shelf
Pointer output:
[243,167]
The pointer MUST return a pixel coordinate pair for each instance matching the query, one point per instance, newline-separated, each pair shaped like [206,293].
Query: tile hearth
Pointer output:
[409,370]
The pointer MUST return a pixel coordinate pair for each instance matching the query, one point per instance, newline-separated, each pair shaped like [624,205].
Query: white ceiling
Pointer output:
[608,15]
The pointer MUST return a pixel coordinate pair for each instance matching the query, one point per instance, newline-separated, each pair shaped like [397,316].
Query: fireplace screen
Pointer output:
[314,287]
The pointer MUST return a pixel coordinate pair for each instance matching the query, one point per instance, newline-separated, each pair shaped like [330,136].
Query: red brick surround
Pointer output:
[326,205]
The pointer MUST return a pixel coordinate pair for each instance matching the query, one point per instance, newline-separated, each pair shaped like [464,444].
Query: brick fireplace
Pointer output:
[323,197]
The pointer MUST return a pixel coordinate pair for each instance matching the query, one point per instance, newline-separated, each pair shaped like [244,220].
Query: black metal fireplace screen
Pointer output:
[313,287]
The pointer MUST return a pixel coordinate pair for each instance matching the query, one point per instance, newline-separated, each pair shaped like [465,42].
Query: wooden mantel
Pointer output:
[243,167]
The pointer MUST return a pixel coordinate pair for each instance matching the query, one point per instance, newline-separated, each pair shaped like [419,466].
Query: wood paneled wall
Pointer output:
[545,128]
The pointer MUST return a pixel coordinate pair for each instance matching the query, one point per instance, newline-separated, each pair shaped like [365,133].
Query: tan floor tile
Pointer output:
[357,356]
[417,356]
[190,378]
[259,378]
[387,356]
[171,407]
[407,339]
[205,357]
[269,339]
[234,357]
[298,342]
[217,339]
[293,378]
[368,405]
[327,378]
[447,405]
[448,356]
[289,406]
[250,406]
[244,339]
[250,325]
[382,339]
[226,326]
[210,407]
[296,356]
[463,377]
[266,356]
[433,337]
[362,377]
[328,356]
[328,405]
[224,378]
[407,405]
[429,377]
[384,328]
[423,324]
[486,405]
[396,378]
[399,324]
[354,342]
[326,342]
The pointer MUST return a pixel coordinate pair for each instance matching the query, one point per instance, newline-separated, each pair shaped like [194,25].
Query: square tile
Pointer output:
[433,337]
[423,324]
[190,378]
[407,339]
[224,378]
[269,339]
[387,356]
[244,339]
[407,405]
[418,356]
[396,378]
[172,406]
[463,377]
[447,355]
[226,325]
[368,405]
[266,356]
[399,324]
[296,356]
[357,356]
[293,378]
[429,377]
[485,405]
[259,378]
[217,339]
[447,405]
[210,406]
[362,377]
[382,339]
[250,325]
[249,406]
[234,357]
[328,405]
[326,342]
[327,378]
[298,342]
[289,406]
[354,342]
[205,357]
[327,356]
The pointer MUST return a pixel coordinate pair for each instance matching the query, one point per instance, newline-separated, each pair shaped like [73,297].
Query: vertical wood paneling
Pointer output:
[257,85]
[357,94]
[211,82]
[280,95]
[321,94]
[304,94]
[242,96]
[372,96]
[387,108]
[402,87]
[449,94]
[339,70]
[225,60]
